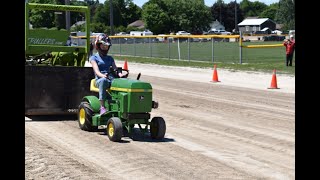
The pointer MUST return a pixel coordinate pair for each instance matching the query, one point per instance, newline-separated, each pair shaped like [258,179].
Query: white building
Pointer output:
[141,33]
[216,25]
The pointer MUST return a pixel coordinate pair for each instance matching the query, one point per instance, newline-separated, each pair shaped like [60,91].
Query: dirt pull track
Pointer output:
[213,132]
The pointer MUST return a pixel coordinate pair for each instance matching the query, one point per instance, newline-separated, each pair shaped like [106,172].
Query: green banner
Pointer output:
[49,37]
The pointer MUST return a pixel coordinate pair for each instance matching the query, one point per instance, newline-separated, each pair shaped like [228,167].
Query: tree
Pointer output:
[102,15]
[218,11]
[93,5]
[257,8]
[286,14]
[99,27]
[41,18]
[132,13]
[124,13]
[60,19]
[225,14]
[270,12]
[155,16]
[229,20]
[252,8]
[163,16]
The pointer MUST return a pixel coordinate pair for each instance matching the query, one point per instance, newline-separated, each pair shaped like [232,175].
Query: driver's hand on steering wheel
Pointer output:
[105,75]
[122,75]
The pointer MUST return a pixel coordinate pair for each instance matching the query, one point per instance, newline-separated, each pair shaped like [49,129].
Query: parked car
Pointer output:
[183,33]
[274,38]
[219,32]
[122,34]
[160,38]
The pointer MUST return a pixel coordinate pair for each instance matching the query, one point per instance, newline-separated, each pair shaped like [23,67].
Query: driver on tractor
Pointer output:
[103,66]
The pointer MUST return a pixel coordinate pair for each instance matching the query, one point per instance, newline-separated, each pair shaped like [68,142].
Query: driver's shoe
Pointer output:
[102,110]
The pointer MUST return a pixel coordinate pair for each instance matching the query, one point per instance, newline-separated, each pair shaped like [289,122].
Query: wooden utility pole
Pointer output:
[235,17]
[67,2]
[111,18]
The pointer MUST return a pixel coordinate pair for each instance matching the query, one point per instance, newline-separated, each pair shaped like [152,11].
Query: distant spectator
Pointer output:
[290,46]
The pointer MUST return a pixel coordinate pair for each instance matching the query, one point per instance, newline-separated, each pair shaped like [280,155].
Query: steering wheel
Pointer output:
[117,71]
[127,74]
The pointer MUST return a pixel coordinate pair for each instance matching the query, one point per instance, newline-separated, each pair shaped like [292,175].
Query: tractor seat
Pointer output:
[93,86]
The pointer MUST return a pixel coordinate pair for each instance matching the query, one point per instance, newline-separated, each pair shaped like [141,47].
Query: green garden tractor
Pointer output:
[129,104]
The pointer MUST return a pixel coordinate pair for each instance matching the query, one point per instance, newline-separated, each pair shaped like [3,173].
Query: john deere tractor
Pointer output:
[129,104]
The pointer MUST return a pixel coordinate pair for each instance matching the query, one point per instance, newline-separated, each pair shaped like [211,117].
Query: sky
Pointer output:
[207,2]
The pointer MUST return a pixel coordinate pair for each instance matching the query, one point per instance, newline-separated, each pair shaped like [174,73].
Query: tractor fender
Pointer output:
[93,101]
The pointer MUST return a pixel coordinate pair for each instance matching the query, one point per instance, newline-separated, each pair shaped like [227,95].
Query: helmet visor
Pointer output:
[104,43]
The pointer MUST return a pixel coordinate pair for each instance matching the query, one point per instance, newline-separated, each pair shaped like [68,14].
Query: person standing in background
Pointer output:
[290,46]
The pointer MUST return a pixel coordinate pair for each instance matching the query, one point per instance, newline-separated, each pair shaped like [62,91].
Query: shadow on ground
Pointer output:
[53,118]
[137,135]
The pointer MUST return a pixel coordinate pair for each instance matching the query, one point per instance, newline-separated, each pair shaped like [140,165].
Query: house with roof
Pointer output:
[254,25]
[216,25]
[137,24]
[78,23]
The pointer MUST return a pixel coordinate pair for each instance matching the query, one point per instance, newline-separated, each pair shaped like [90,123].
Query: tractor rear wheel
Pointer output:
[157,128]
[114,129]
[85,117]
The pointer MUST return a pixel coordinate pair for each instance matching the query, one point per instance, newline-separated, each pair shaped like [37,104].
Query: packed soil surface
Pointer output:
[233,129]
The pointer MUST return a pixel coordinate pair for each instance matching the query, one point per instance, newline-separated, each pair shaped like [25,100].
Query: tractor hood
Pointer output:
[130,85]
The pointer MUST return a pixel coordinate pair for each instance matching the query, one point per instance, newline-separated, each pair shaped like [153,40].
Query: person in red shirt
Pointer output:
[290,46]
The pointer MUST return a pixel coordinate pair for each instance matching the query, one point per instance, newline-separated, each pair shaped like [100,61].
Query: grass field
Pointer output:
[225,55]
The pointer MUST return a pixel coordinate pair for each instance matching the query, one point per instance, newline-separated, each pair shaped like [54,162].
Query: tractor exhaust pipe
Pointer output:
[138,77]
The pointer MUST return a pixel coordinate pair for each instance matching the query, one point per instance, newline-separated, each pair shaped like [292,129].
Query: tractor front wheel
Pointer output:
[114,129]
[157,128]
[85,117]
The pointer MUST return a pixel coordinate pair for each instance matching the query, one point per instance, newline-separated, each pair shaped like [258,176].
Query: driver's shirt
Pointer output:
[103,63]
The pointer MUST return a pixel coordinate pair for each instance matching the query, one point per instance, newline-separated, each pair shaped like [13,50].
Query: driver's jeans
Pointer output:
[103,84]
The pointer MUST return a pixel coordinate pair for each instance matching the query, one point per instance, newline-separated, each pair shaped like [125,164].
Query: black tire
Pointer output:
[114,129]
[157,128]
[85,114]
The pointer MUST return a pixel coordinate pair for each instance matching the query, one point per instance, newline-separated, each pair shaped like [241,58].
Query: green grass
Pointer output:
[226,55]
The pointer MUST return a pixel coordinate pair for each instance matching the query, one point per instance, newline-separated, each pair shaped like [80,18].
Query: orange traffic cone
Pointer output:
[215,74]
[274,81]
[125,66]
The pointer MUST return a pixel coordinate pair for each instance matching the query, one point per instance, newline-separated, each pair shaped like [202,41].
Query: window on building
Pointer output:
[254,28]
[247,28]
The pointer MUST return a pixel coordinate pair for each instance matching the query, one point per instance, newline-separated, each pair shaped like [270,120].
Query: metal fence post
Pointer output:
[240,46]
[189,49]
[212,39]
[179,48]
[150,46]
[168,48]
[134,46]
[120,45]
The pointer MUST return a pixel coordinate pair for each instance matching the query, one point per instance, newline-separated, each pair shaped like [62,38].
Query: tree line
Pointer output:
[164,16]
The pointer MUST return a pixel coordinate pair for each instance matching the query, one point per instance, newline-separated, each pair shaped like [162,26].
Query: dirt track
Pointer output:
[213,132]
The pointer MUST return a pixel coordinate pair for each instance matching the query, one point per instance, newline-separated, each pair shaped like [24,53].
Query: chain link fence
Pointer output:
[210,48]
